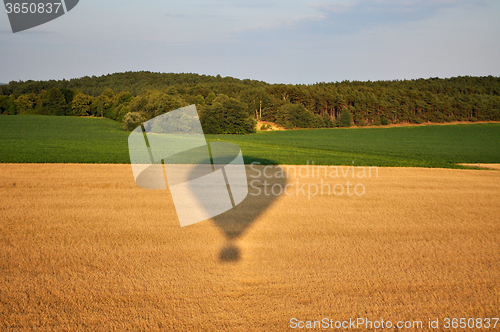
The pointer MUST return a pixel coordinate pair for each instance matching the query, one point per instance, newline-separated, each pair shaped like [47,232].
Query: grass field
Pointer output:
[50,139]
[53,139]
[83,248]
[427,146]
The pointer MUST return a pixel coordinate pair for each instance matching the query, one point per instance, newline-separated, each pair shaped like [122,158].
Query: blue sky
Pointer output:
[275,41]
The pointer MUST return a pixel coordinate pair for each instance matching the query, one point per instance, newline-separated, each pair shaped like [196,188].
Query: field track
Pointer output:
[486,166]
[83,248]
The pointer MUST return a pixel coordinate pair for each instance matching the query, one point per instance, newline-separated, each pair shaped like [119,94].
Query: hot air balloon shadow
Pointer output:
[236,221]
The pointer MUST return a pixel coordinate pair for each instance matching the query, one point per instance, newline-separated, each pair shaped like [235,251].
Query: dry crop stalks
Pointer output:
[82,247]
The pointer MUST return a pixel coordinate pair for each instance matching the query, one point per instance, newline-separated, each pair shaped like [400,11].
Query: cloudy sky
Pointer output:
[284,41]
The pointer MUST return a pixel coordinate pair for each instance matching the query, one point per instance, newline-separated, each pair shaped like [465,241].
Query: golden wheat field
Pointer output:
[83,248]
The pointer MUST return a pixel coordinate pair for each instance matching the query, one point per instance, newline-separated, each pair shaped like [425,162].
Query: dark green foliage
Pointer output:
[345,119]
[24,104]
[68,95]
[210,98]
[7,105]
[55,103]
[134,82]
[417,120]
[384,121]
[199,100]
[123,97]
[81,105]
[370,103]
[359,119]
[292,116]
[328,122]
[132,120]
[226,116]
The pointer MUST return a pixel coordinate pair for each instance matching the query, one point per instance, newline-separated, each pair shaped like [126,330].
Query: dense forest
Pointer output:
[230,105]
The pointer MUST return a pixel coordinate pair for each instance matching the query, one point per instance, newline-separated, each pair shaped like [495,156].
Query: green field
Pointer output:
[50,139]
[53,139]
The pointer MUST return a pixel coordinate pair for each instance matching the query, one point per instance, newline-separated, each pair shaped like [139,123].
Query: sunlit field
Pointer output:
[83,248]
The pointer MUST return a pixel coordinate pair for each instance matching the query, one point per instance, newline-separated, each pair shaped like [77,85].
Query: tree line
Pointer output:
[228,105]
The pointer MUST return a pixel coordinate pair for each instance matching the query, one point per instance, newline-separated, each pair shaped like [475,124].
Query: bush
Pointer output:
[292,116]
[345,119]
[329,123]
[416,120]
[384,121]
[174,123]
[131,120]
[226,116]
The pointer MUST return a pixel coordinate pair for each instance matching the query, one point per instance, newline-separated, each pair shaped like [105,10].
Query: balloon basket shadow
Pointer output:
[229,254]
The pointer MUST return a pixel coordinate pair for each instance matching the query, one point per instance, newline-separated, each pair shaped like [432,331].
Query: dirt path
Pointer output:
[81,247]
[486,166]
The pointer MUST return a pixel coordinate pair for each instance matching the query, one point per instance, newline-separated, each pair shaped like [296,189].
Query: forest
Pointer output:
[229,105]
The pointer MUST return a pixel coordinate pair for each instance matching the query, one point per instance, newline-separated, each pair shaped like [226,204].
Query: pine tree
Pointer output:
[345,119]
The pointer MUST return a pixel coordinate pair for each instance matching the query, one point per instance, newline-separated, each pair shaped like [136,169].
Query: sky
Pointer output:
[284,41]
